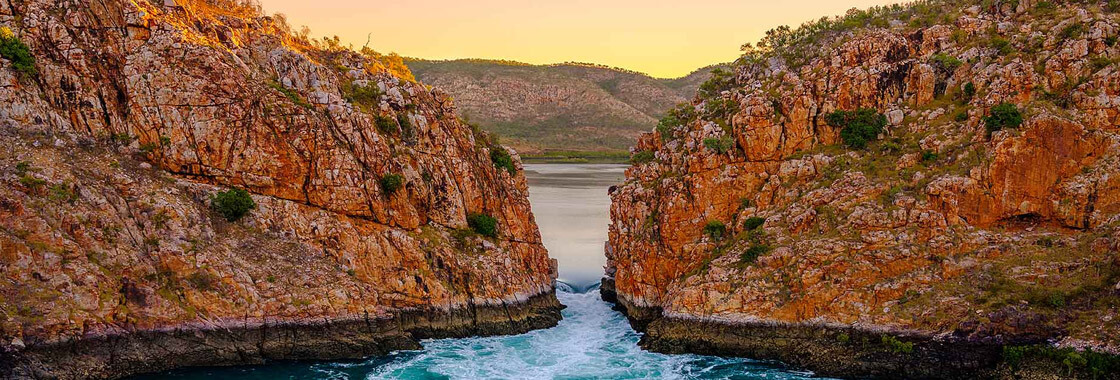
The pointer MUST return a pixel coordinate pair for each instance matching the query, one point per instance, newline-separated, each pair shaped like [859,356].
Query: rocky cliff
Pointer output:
[562,107]
[927,191]
[124,120]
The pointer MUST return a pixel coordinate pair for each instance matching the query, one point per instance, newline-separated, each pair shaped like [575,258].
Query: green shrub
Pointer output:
[31,182]
[720,81]
[1044,8]
[947,64]
[406,125]
[715,229]
[233,204]
[897,346]
[1005,115]
[642,157]
[843,338]
[1072,31]
[290,94]
[483,224]
[858,128]
[385,125]
[753,253]
[502,159]
[720,145]
[62,193]
[744,203]
[390,183]
[367,98]
[753,223]
[961,116]
[1001,45]
[929,156]
[203,280]
[1110,40]
[969,91]
[14,50]
[22,168]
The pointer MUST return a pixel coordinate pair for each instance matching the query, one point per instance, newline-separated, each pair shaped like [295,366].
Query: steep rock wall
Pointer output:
[141,110]
[937,233]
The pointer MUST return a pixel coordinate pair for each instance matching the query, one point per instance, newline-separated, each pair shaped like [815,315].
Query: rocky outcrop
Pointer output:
[562,107]
[112,261]
[753,229]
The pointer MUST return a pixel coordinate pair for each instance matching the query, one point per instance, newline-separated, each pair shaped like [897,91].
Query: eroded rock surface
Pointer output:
[141,110]
[938,232]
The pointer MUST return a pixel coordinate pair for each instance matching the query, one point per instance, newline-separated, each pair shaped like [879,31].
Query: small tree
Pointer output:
[1005,115]
[14,50]
[233,204]
[715,229]
[720,145]
[753,253]
[753,223]
[483,224]
[390,183]
[642,157]
[502,159]
[858,128]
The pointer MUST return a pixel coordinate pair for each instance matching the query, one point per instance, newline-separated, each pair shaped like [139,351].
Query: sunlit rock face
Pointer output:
[141,110]
[937,229]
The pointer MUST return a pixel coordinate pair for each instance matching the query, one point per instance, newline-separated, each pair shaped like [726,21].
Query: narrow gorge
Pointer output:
[193,189]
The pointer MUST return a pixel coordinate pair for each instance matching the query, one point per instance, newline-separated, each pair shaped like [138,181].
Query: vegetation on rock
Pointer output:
[483,224]
[858,128]
[392,182]
[1002,116]
[501,159]
[233,204]
[15,51]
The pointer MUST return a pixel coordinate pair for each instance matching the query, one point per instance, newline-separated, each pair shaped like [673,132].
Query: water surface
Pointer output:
[572,208]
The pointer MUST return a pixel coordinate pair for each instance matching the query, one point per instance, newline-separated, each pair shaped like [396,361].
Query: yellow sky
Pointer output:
[662,38]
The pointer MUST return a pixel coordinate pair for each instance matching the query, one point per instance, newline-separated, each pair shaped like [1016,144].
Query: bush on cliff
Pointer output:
[720,145]
[502,159]
[715,229]
[391,182]
[1005,115]
[753,223]
[385,124]
[858,128]
[483,224]
[642,157]
[367,98]
[233,204]
[753,253]
[14,50]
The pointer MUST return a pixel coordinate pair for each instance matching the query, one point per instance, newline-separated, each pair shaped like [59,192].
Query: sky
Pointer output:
[666,39]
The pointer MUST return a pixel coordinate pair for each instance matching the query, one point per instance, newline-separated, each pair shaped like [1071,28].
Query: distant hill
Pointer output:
[562,107]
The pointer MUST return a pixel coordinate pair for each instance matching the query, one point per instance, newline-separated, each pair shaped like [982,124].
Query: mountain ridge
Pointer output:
[558,107]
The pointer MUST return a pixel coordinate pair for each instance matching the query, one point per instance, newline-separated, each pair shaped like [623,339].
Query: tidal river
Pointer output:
[592,342]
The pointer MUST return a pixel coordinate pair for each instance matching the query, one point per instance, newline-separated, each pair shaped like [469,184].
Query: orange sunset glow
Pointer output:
[659,37]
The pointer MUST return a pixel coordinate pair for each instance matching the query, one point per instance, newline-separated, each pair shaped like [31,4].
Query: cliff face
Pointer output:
[558,107]
[752,228]
[112,261]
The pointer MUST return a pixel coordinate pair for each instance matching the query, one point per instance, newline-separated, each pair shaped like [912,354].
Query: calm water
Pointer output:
[592,342]
[572,208]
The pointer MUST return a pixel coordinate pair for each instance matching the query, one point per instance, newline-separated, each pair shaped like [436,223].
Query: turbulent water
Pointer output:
[592,342]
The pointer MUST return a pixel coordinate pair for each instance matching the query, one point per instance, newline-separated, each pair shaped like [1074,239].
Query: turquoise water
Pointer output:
[592,342]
